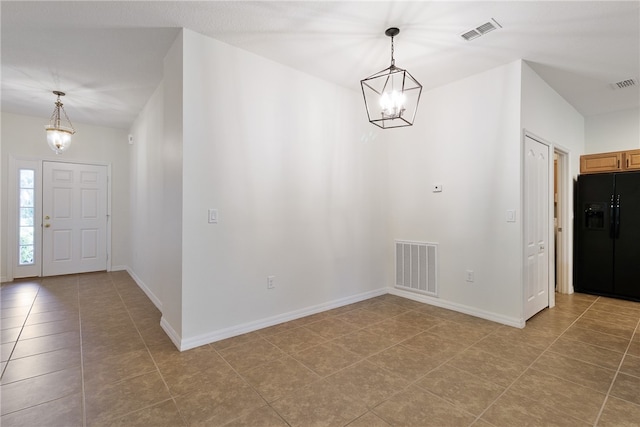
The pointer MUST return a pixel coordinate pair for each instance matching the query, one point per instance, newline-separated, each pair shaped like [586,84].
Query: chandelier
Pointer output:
[391,96]
[59,136]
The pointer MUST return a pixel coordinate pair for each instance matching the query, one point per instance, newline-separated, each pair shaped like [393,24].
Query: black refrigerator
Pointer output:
[607,235]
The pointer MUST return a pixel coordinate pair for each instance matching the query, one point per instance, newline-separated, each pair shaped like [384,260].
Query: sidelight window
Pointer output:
[26,208]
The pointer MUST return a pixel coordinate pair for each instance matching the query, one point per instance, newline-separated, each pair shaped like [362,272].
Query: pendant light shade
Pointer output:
[59,135]
[391,96]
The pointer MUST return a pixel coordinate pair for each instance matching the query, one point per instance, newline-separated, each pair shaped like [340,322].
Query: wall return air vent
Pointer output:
[416,267]
[481,30]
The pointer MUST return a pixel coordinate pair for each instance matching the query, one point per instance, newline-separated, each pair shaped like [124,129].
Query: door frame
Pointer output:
[551,251]
[565,197]
[16,163]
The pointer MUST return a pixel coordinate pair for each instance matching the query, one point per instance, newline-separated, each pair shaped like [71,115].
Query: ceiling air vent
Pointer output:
[481,30]
[624,84]
[470,35]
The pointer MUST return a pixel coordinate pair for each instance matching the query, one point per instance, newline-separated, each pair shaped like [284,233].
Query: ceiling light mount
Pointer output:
[392,32]
[59,135]
[391,96]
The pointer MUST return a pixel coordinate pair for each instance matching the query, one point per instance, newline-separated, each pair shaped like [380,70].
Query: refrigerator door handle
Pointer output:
[612,227]
[617,226]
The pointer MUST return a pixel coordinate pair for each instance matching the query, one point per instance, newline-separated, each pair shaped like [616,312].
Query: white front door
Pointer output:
[74,218]
[536,226]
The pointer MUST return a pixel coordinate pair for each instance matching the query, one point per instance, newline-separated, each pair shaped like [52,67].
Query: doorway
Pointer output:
[74,221]
[562,220]
[58,218]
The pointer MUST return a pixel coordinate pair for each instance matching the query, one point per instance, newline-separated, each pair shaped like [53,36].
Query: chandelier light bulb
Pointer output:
[59,141]
[392,104]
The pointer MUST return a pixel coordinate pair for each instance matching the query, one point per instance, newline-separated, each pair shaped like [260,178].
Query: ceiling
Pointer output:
[108,55]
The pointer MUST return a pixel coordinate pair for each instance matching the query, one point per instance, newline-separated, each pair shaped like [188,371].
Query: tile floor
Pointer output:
[87,350]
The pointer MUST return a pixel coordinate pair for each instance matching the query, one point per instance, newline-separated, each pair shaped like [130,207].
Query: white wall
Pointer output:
[147,196]
[467,138]
[616,131]
[156,195]
[300,187]
[172,261]
[23,137]
[549,116]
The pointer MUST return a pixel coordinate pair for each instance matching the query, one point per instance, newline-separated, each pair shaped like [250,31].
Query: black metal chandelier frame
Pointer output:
[376,85]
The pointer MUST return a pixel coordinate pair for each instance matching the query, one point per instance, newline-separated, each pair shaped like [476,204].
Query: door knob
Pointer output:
[47,225]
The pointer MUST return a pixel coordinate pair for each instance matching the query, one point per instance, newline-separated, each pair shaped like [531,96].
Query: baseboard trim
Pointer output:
[171,333]
[208,338]
[154,299]
[211,337]
[494,317]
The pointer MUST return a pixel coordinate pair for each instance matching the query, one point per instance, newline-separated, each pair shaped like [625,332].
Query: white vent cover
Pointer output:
[624,84]
[416,267]
[470,35]
[481,30]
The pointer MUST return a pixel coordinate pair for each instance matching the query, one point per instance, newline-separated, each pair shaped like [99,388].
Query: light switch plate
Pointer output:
[511,215]
[213,216]
[469,276]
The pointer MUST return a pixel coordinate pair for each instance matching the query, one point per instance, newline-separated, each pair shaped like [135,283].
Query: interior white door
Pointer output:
[74,218]
[536,224]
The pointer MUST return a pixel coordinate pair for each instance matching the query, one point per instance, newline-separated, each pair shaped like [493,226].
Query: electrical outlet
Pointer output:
[271,282]
[469,276]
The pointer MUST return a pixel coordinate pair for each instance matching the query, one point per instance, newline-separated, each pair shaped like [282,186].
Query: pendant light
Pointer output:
[391,96]
[59,136]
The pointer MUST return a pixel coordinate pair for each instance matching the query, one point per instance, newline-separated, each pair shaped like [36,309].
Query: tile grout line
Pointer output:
[133,376]
[285,354]
[6,365]
[615,376]
[534,361]
[84,398]
[415,382]
[410,383]
[171,396]
[40,282]
[250,385]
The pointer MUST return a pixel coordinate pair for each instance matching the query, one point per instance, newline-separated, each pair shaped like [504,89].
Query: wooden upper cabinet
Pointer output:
[616,161]
[601,162]
[632,160]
